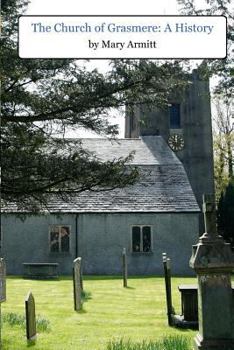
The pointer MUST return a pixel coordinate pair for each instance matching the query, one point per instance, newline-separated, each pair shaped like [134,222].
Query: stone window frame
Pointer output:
[49,239]
[141,240]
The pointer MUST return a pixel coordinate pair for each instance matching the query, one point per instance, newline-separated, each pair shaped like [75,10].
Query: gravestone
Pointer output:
[77,284]
[125,268]
[213,261]
[167,275]
[31,330]
[188,318]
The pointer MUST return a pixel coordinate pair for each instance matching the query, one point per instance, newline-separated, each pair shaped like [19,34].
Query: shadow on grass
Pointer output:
[81,311]
[96,278]
[85,277]
[182,330]
[31,343]
[115,277]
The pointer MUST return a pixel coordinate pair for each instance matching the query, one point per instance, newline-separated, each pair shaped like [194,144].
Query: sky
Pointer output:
[104,7]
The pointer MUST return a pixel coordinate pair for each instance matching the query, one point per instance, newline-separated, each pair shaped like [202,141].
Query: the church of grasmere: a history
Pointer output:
[160,213]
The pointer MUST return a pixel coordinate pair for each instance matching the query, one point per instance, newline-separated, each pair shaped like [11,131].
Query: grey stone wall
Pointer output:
[197,155]
[27,241]
[196,129]
[101,238]
[173,233]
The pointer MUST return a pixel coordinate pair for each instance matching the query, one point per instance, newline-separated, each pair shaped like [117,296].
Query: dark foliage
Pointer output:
[42,98]
[221,68]
[225,214]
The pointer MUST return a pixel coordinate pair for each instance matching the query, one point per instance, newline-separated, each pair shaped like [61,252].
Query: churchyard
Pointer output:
[121,313]
[110,313]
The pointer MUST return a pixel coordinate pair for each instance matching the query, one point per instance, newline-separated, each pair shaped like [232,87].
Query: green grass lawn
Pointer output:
[111,313]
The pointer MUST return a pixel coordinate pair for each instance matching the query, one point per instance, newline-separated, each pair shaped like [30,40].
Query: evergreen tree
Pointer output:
[225,214]
[42,98]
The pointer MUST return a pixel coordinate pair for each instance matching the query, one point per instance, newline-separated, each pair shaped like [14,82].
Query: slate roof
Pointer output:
[163,185]
[149,150]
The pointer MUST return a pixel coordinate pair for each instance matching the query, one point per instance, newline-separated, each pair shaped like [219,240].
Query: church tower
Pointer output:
[186,126]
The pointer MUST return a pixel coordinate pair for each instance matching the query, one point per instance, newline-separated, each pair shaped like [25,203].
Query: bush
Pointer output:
[225,214]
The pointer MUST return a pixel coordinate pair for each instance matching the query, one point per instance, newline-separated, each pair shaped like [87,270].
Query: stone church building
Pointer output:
[160,213]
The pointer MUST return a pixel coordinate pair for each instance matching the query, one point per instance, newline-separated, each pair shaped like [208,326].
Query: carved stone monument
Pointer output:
[77,284]
[31,330]
[213,261]
[125,268]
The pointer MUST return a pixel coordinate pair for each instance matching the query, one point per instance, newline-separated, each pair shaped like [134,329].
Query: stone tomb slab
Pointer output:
[41,270]
[31,330]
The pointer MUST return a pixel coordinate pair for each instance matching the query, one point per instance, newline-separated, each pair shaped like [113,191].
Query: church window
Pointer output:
[59,239]
[174,110]
[141,239]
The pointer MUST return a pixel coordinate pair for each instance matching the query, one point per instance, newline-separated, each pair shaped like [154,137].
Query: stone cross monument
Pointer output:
[213,261]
